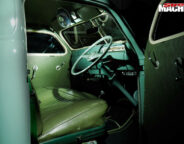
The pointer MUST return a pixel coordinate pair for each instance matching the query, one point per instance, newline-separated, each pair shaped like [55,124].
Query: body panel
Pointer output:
[14,95]
[52,69]
[164,83]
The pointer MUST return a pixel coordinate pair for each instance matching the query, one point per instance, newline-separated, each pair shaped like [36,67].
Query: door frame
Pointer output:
[67,50]
[153,25]
[56,36]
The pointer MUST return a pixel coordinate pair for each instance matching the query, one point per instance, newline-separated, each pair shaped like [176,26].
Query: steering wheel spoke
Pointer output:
[93,57]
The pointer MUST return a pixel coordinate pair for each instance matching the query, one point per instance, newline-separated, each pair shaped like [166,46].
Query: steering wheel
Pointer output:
[97,57]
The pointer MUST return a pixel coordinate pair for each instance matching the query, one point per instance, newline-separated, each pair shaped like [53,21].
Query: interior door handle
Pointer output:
[58,67]
[179,63]
[35,68]
[153,59]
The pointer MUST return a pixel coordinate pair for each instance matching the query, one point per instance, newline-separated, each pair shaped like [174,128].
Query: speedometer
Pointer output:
[63,18]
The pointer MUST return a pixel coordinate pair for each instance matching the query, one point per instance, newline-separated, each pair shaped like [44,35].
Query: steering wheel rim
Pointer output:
[96,61]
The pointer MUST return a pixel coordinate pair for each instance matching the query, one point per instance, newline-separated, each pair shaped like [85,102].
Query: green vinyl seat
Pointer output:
[64,111]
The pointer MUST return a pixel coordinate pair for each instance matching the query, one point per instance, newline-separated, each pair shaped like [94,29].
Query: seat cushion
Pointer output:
[65,111]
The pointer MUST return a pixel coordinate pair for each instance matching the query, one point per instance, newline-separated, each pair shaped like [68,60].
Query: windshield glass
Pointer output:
[86,33]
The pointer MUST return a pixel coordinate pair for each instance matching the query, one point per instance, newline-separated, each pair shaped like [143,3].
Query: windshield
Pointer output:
[86,33]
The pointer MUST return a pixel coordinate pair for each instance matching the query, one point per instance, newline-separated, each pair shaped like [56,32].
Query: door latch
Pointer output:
[179,63]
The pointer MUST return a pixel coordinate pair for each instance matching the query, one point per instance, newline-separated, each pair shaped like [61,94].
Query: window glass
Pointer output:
[86,33]
[79,36]
[168,23]
[43,43]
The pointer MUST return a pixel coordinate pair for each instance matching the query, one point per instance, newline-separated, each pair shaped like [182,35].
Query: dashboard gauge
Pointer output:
[63,18]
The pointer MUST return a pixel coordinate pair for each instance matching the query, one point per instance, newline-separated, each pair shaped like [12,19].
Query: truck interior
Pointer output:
[83,74]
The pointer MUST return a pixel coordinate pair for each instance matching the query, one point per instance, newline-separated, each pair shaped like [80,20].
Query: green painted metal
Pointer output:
[79,136]
[47,74]
[124,91]
[118,85]
[163,102]
[141,96]
[33,117]
[14,95]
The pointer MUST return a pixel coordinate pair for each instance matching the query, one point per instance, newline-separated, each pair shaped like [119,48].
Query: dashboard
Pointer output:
[116,60]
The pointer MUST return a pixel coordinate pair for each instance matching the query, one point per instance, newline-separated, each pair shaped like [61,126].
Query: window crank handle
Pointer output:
[35,68]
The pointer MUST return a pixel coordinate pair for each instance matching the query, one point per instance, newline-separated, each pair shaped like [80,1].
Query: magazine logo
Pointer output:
[171,7]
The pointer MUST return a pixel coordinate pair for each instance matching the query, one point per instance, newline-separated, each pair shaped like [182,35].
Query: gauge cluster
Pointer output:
[63,18]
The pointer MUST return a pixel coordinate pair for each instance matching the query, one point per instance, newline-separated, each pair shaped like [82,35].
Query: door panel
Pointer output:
[48,68]
[164,80]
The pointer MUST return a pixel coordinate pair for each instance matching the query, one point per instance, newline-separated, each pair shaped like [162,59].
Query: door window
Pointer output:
[43,43]
[168,23]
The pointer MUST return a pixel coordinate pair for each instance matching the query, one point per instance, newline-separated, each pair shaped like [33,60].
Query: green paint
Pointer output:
[83,136]
[33,118]
[47,66]
[14,95]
